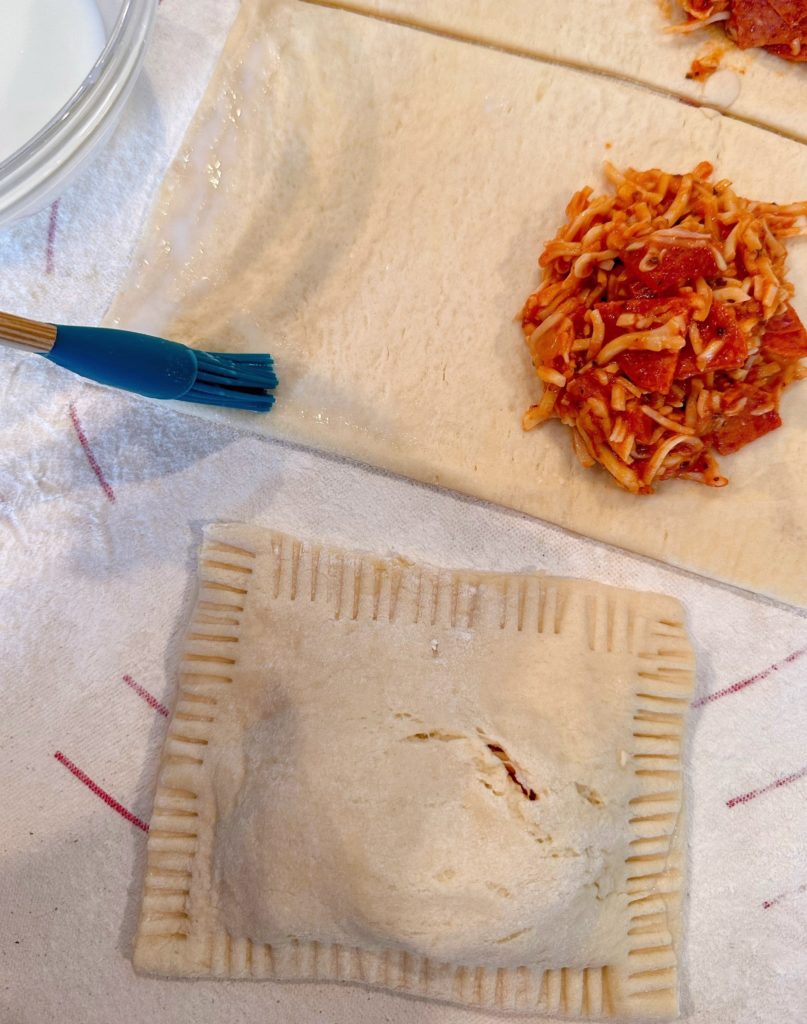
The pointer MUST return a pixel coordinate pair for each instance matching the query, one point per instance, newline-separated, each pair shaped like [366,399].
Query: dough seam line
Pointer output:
[569,65]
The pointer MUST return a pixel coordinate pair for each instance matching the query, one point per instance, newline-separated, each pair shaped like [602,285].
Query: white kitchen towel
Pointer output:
[102,502]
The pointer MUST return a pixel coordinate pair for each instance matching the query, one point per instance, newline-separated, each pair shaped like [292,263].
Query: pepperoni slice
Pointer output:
[665,268]
[767,22]
[655,311]
[738,431]
[785,336]
[721,323]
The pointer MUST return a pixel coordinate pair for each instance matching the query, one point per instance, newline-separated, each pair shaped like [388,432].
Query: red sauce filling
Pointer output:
[676,344]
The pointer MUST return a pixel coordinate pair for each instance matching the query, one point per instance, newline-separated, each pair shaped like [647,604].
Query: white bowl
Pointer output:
[40,170]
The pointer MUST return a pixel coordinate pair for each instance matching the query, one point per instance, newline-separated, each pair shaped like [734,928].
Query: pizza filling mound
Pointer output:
[662,330]
[778,25]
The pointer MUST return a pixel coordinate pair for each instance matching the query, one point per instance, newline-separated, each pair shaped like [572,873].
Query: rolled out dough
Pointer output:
[625,38]
[368,201]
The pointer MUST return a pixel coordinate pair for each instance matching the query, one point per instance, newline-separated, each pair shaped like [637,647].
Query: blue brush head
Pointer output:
[237,381]
[165,369]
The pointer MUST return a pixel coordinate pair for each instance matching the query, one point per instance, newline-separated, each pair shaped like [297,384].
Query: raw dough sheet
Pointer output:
[464,786]
[626,39]
[368,201]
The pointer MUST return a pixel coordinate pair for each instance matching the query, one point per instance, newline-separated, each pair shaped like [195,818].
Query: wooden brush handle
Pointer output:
[28,334]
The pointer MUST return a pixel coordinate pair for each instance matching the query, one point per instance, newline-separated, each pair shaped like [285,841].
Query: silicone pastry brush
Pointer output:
[147,365]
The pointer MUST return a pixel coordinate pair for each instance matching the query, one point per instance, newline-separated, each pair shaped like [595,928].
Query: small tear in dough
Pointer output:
[514,774]
[512,936]
[436,734]
[588,794]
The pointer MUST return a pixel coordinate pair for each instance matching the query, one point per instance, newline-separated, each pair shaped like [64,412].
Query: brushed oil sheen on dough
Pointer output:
[367,202]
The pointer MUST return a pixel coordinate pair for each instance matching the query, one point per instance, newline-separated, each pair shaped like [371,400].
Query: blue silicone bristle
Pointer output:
[158,368]
[239,381]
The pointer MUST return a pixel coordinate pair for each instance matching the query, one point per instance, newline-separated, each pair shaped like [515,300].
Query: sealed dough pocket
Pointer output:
[462,785]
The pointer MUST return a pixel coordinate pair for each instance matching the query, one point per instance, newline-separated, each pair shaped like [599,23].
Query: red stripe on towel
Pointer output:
[85,444]
[93,787]
[776,784]
[149,698]
[736,687]
[767,904]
